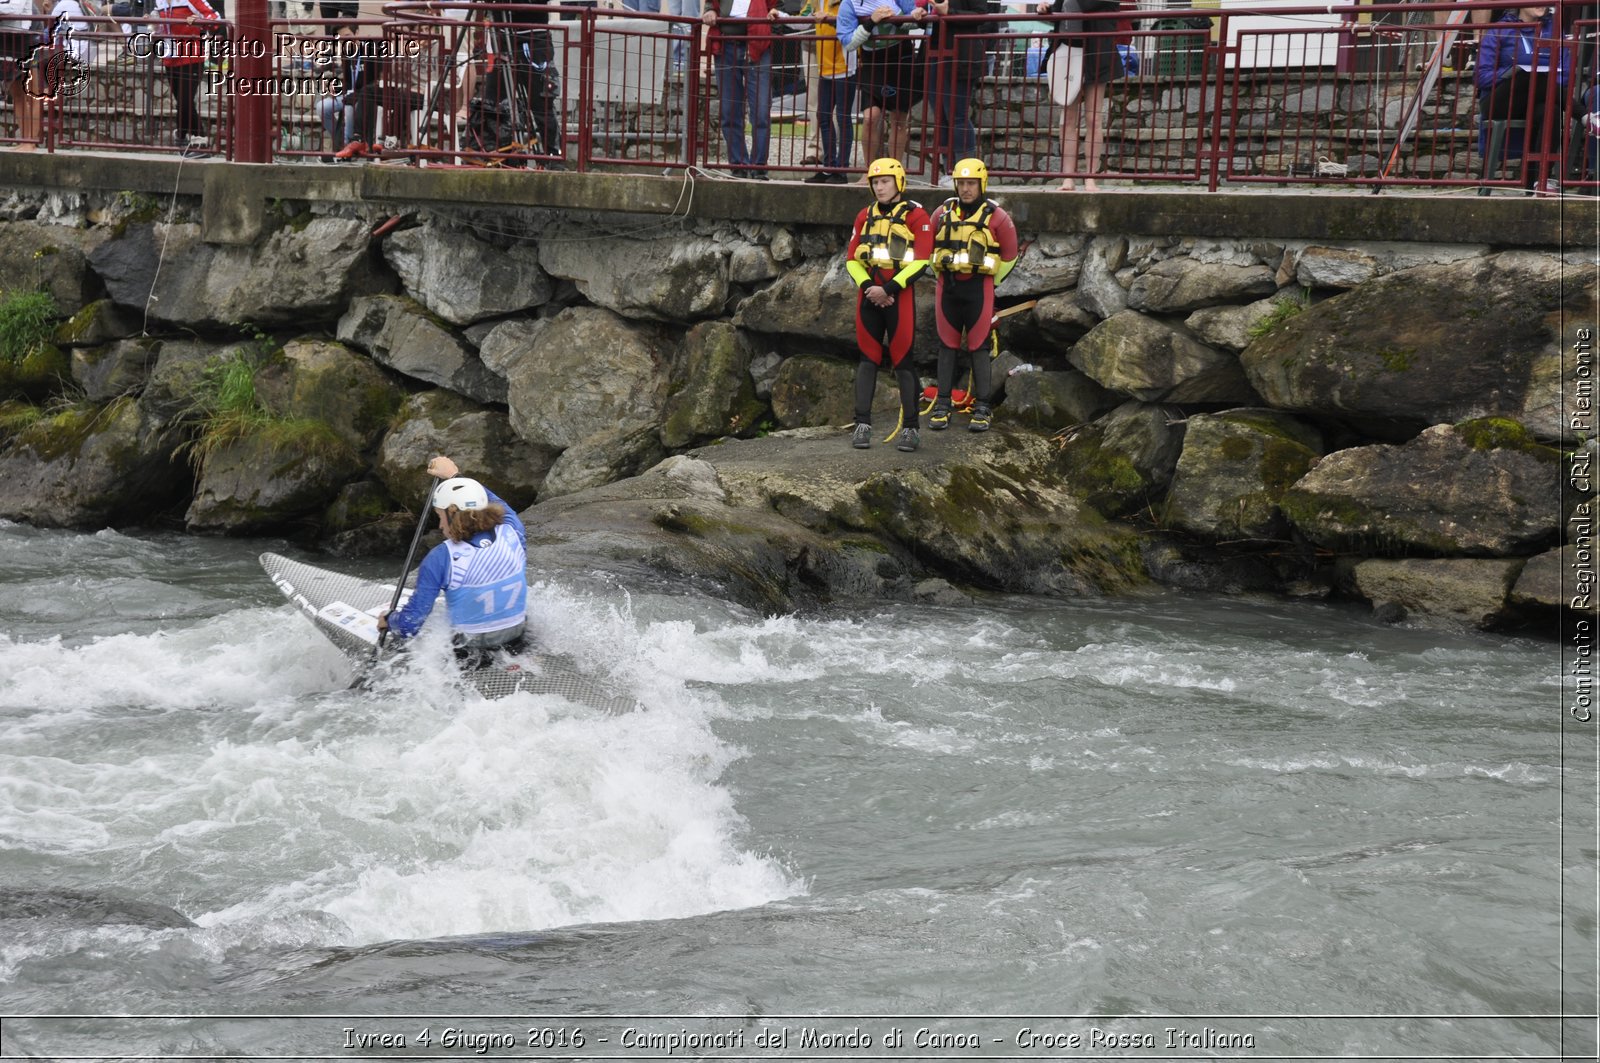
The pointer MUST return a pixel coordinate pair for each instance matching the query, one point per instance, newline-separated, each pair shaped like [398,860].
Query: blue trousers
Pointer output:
[745,84]
[834,99]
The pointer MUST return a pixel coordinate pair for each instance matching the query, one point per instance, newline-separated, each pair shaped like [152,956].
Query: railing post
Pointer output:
[589,21]
[1216,61]
[252,62]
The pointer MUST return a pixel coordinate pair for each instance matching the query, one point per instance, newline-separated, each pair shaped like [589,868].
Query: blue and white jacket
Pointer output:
[484,581]
[857,14]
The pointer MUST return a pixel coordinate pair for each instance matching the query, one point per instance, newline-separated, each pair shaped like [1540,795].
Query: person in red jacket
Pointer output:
[183,57]
[888,250]
[740,41]
[974,247]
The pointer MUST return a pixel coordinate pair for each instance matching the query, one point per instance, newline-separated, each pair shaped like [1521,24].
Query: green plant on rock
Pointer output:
[27,318]
[17,417]
[1281,311]
[229,410]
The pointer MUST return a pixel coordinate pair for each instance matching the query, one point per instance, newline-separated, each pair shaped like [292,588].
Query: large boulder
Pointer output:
[1441,343]
[1555,580]
[712,393]
[593,371]
[1050,401]
[1234,467]
[327,382]
[1100,292]
[510,341]
[1445,592]
[39,374]
[298,275]
[1233,327]
[324,407]
[799,518]
[120,368]
[1048,265]
[479,440]
[1182,285]
[464,279]
[1123,460]
[607,456]
[92,465]
[812,391]
[176,378]
[670,278]
[97,324]
[262,482]
[1151,361]
[398,333]
[1479,489]
[54,258]
[816,299]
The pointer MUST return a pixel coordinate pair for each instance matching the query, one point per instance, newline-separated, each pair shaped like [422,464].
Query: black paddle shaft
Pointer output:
[400,584]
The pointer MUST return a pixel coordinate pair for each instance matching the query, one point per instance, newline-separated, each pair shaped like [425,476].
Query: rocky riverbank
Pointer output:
[1398,423]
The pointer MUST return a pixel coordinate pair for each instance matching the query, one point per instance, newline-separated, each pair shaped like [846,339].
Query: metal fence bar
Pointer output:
[1286,96]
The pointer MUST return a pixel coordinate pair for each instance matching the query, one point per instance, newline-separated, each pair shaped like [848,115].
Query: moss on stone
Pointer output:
[1282,463]
[80,323]
[65,431]
[1236,448]
[1502,433]
[17,416]
[698,524]
[1395,360]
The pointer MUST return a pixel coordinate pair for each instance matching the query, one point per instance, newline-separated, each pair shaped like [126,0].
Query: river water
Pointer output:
[1168,826]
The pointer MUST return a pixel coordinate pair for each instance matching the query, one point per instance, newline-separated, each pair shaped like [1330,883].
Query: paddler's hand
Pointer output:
[383,622]
[442,468]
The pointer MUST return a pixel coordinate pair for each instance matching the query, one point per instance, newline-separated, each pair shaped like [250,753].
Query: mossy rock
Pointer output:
[40,374]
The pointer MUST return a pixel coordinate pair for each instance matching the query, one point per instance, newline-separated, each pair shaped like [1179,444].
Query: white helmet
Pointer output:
[461,492]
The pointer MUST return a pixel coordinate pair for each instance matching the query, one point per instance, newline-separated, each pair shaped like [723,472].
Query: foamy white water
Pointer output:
[1140,808]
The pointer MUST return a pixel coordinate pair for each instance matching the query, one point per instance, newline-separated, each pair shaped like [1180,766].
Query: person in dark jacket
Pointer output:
[1516,72]
[1083,60]
[952,86]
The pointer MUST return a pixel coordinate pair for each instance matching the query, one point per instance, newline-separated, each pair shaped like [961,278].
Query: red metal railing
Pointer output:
[1357,94]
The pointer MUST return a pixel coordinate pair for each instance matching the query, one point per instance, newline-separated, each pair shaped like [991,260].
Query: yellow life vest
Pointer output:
[965,245]
[887,242]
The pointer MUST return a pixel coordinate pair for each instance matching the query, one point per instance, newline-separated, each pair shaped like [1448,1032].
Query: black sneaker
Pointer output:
[819,179]
[908,439]
[939,420]
[862,438]
[980,418]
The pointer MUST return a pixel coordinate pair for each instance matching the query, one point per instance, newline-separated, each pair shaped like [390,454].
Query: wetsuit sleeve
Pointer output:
[512,519]
[1005,234]
[407,620]
[857,271]
[922,232]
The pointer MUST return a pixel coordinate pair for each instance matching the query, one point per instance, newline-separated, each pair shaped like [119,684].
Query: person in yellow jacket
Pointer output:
[974,247]
[888,250]
[836,93]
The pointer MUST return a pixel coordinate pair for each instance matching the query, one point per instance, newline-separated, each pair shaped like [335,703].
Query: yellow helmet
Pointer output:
[970,169]
[888,168]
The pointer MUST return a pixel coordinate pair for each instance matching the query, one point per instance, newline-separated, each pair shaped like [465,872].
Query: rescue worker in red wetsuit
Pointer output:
[888,251]
[974,247]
